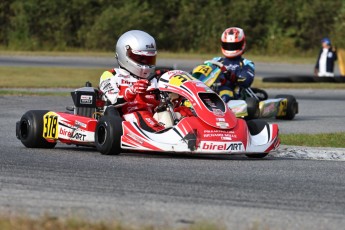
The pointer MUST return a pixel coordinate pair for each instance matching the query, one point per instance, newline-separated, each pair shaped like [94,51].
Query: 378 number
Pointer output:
[50,126]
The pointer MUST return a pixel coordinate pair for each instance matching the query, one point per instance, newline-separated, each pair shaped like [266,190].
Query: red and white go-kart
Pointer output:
[213,128]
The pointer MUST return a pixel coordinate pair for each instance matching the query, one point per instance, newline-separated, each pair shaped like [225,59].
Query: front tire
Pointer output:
[108,135]
[260,93]
[253,109]
[30,130]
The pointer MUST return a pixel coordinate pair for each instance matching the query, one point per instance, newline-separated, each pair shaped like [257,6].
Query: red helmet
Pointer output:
[233,42]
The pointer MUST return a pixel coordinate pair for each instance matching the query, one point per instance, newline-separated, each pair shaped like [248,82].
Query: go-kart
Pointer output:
[249,103]
[212,129]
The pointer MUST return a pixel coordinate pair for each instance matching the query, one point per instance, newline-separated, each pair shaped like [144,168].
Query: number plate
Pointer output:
[50,125]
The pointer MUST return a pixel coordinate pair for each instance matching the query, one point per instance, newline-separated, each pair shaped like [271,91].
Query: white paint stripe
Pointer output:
[314,153]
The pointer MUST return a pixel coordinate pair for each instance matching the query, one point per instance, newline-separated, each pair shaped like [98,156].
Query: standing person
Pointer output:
[127,86]
[239,71]
[324,66]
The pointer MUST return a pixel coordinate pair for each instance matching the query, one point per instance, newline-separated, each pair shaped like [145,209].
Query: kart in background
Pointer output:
[212,129]
[249,103]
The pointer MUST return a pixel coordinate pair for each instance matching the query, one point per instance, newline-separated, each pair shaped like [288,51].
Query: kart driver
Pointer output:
[127,86]
[239,71]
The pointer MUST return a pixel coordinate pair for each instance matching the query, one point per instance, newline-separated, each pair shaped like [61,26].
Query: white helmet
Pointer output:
[136,52]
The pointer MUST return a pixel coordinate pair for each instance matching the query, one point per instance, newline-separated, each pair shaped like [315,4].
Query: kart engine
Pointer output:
[84,101]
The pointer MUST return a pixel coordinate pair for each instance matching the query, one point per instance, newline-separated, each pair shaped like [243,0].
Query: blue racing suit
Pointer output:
[240,73]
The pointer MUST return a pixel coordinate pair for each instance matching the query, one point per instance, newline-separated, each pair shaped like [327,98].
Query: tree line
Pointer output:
[293,27]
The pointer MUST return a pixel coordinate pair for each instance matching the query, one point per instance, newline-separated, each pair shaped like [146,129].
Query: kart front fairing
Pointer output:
[208,106]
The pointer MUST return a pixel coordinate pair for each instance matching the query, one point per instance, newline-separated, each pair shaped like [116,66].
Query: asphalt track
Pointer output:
[171,190]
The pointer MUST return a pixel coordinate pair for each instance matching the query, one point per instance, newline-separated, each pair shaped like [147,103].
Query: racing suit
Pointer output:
[116,86]
[240,73]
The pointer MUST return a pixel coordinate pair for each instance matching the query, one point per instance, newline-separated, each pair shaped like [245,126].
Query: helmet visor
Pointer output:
[232,46]
[142,57]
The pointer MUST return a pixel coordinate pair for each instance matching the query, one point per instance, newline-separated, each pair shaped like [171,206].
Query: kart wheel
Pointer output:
[291,108]
[30,130]
[252,108]
[255,127]
[260,93]
[108,135]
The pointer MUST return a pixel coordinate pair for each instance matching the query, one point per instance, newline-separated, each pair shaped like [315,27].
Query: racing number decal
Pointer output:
[204,69]
[50,125]
[178,80]
[282,108]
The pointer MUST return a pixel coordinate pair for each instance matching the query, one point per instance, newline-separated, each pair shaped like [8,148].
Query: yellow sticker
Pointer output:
[179,79]
[203,69]
[282,108]
[50,125]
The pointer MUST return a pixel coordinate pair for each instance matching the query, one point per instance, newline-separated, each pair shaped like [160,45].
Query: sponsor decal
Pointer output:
[125,82]
[269,108]
[220,119]
[230,146]
[86,99]
[222,124]
[218,112]
[135,138]
[149,120]
[223,136]
[201,85]
[151,46]
[218,131]
[80,124]
[72,134]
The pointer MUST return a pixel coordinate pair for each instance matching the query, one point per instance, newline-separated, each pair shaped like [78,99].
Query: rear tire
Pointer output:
[255,127]
[30,130]
[291,108]
[253,109]
[108,135]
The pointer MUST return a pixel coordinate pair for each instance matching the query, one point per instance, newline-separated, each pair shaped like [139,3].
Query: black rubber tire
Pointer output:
[302,79]
[252,108]
[30,130]
[292,107]
[260,93]
[108,135]
[255,127]
[324,79]
[339,79]
[276,79]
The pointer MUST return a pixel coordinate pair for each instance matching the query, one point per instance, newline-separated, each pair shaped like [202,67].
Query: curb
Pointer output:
[314,153]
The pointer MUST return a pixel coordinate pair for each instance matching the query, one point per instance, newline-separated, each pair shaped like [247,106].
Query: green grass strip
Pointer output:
[335,140]
[57,77]
[47,77]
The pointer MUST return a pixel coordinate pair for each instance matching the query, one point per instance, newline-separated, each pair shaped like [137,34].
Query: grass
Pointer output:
[57,77]
[334,140]
[258,83]
[53,223]
[47,77]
